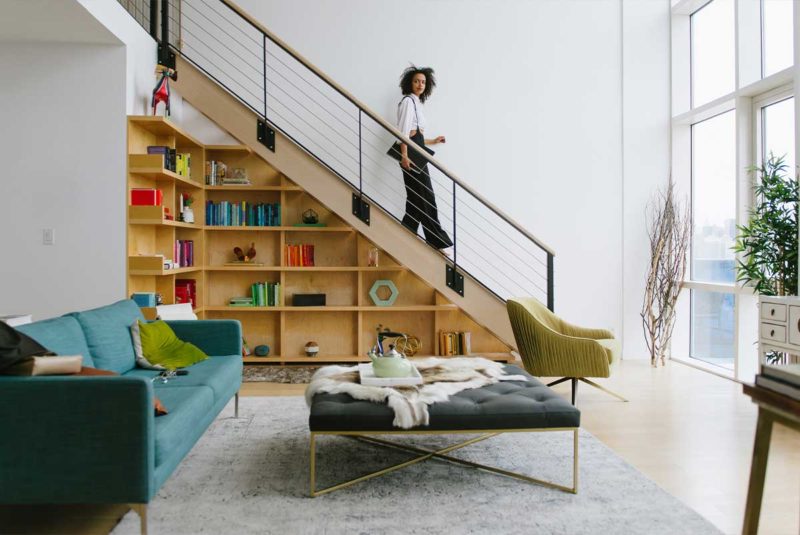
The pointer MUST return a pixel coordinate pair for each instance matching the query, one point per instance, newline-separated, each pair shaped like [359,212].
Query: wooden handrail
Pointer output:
[381,121]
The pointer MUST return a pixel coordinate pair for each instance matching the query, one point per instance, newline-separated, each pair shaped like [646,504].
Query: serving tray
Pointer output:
[368,377]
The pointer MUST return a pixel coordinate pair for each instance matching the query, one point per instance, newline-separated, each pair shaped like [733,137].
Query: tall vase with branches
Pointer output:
[768,242]
[668,228]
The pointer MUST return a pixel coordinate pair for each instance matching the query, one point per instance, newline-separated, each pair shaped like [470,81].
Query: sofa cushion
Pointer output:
[62,336]
[107,331]
[222,374]
[188,406]
[161,347]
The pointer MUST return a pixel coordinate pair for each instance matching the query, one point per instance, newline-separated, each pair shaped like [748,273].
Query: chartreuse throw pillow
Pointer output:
[161,347]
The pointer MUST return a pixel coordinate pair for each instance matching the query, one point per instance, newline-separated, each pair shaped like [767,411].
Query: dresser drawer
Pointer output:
[773,312]
[776,333]
[794,325]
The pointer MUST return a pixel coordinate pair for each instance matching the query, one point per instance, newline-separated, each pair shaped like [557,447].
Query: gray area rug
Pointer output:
[257,373]
[250,475]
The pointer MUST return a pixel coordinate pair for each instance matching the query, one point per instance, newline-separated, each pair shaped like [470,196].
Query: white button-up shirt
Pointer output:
[407,120]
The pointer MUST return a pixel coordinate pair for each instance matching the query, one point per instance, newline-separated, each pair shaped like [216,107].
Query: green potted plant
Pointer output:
[768,242]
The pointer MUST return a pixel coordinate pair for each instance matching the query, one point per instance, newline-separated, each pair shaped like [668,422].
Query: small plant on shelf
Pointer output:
[187,213]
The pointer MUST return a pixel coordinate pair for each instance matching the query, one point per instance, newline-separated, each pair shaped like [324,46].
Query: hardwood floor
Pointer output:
[690,431]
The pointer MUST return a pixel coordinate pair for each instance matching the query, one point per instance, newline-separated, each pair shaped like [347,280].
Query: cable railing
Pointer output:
[292,96]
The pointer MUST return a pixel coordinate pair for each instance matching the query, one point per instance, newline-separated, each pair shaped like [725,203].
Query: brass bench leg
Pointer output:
[439,454]
[141,510]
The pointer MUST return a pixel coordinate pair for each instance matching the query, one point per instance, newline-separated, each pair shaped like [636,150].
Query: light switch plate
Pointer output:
[48,236]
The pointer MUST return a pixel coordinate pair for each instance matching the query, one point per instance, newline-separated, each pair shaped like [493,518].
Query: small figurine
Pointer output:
[312,349]
[310,217]
[161,92]
[251,253]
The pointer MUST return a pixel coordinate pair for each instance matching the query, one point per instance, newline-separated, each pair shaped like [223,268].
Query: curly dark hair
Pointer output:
[408,77]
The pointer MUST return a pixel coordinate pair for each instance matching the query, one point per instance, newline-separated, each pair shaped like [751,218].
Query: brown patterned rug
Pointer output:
[278,374]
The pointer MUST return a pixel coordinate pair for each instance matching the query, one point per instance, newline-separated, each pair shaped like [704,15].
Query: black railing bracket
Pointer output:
[266,135]
[361,208]
[455,280]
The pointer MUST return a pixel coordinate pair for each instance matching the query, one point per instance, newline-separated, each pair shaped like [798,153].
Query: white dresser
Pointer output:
[779,325]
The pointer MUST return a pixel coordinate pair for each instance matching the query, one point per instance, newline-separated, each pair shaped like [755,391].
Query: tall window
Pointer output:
[714,198]
[712,39]
[777,132]
[732,108]
[776,32]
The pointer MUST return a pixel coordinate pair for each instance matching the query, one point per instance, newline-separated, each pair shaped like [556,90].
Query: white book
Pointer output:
[14,320]
[778,386]
[788,373]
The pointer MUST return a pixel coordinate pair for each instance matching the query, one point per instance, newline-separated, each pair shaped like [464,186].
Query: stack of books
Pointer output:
[455,343]
[782,378]
[241,302]
[170,156]
[298,255]
[235,181]
[266,294]
[243,214]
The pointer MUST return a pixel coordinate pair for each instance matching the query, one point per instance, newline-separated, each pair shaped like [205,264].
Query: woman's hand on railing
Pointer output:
[405,163]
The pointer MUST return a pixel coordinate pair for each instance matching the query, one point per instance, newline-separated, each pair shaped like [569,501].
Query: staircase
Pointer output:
[265,94]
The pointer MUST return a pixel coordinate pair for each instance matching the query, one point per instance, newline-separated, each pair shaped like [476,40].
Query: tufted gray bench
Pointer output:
[504,407]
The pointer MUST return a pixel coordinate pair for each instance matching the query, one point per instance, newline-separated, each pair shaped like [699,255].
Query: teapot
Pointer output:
[392,363]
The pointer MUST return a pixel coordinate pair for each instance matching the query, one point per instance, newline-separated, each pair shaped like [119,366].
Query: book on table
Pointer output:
[783,378]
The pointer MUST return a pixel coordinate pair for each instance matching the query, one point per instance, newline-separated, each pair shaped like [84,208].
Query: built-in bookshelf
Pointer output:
[344,328]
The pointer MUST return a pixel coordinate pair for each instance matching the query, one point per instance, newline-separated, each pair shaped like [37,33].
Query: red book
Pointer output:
[146,197]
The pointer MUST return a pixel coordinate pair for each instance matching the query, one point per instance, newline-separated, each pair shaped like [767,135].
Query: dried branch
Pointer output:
[668,228]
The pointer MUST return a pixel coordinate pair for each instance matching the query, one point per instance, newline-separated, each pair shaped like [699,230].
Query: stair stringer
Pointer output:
[303,169]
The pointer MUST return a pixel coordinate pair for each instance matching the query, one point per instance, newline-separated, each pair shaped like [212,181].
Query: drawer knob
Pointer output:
[772,312]
[772,332]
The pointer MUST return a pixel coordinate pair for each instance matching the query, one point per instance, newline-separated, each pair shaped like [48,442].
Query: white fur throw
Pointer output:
[442,377]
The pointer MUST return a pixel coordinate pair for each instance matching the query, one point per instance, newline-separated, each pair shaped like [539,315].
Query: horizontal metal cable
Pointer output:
[238,18]
[314,142]
[259,83]
[259,98]
[184,15]
[489,262]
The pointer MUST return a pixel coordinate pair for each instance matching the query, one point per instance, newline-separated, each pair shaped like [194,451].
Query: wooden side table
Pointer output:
[772,407]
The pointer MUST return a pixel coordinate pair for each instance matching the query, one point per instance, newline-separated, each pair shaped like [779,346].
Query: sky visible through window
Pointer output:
[777,35]
[714,198]
[713,48]
[778,128]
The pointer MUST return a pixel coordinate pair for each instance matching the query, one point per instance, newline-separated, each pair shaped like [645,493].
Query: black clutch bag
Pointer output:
[394,151]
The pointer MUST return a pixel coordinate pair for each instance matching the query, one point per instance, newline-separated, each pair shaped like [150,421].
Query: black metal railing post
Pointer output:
[165,56]
[264,133]
[154,19]
[550,298]
[360,164]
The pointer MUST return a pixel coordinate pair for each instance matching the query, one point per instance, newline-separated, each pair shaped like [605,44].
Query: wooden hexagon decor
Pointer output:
[393,293]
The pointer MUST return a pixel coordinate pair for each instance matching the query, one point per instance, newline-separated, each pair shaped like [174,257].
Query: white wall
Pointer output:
[529,98]
[63,161]
[645,82]
[64,105]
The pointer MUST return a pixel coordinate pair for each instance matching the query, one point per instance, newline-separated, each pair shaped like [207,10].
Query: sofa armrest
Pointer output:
[76,440]
[214,337]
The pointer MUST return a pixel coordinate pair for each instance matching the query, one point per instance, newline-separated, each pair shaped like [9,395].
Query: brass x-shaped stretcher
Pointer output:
[425,454]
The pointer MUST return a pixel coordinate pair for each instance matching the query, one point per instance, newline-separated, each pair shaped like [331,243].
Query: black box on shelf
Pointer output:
[308,300]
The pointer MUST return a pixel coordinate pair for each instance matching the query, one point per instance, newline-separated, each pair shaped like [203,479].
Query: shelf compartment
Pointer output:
[257,330]
[219,248]
[152,166]
[334,338]
[419,324]
[307,268]
[283,228]
[253,188]
[411,290]
[154,265]
[161,126]
[154,215]
[226,284]
[340,288]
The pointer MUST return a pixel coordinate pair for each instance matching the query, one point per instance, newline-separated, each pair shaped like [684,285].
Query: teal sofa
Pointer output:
[70,439]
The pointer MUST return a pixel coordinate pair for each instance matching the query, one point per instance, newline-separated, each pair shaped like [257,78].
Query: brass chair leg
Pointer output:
[606,390]
[141,510]
[236,405]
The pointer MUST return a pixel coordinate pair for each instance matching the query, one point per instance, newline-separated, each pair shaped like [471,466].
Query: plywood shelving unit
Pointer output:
[344,329]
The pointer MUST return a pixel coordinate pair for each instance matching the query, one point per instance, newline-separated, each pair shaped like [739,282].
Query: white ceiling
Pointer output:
[51,21]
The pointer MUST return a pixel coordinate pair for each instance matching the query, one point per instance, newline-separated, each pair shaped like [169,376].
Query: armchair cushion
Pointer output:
[62,336]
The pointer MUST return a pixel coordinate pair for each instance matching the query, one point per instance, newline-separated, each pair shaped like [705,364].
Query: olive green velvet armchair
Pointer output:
[551,347]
